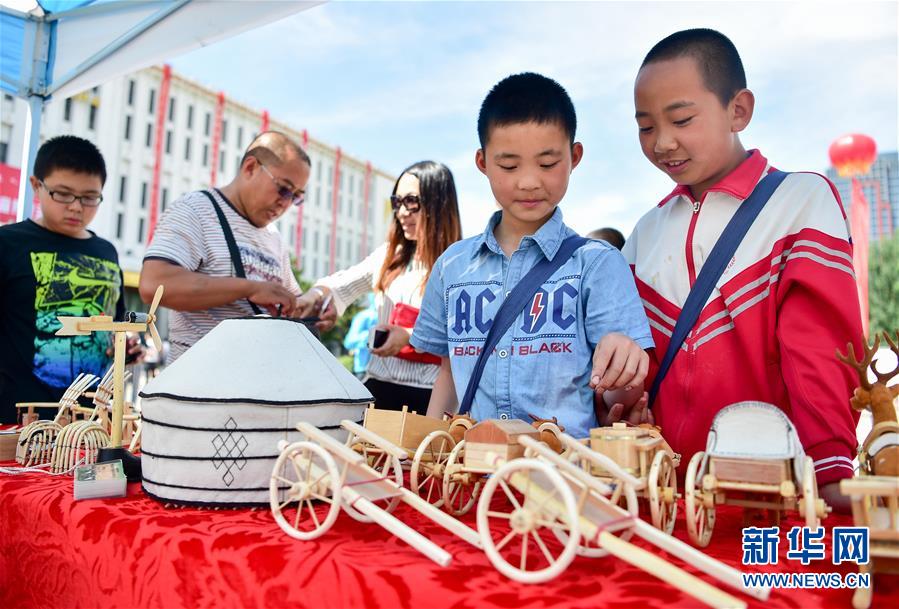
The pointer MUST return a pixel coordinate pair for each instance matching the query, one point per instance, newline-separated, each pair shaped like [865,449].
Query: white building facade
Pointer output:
[201,136]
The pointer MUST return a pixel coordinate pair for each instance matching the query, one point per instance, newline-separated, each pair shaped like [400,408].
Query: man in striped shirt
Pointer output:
[190,255]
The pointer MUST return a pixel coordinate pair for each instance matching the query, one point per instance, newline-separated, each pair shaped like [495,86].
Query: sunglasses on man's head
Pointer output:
[412,203]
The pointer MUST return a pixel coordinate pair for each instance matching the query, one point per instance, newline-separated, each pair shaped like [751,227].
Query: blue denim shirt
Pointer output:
[542,365]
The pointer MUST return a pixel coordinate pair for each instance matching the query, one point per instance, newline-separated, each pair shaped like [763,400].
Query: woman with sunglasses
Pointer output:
[425,223]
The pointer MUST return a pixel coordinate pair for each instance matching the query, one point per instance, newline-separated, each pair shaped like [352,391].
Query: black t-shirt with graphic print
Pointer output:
[42,275]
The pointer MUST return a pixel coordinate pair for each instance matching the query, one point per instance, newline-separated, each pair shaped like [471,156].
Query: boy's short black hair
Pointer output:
[610,235]
[715,55]
[526,98]
[72,153]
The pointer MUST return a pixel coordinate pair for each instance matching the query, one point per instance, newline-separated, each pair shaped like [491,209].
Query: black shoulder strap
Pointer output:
[232,244]
[713,268]
[508,311]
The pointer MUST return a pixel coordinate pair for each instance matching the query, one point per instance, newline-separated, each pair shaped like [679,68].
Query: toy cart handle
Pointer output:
[374,439]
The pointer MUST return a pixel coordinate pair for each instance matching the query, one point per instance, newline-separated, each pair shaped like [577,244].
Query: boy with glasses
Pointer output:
[215,251]
[55,266]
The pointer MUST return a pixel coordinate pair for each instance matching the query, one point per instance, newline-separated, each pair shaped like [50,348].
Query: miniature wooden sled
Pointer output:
[37,438]
[322,469]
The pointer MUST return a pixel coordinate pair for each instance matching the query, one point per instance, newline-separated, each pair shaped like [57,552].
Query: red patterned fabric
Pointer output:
[134,552]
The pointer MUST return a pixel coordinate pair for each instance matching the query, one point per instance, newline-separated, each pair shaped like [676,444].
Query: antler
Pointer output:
[861,366]
[883,377]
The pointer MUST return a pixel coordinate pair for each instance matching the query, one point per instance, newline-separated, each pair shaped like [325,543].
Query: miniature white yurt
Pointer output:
[212,420]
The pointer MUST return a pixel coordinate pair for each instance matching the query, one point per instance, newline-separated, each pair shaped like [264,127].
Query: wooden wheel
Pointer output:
[460,489]
[511,531]
[304,472]
[700,515]
[663,492]
[386,466]
[428,465]
[810,495]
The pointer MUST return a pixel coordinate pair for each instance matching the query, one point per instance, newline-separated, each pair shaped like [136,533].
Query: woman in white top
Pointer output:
[425,223]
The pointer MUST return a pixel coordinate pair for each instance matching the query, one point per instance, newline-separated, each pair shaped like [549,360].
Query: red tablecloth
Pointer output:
[134,552]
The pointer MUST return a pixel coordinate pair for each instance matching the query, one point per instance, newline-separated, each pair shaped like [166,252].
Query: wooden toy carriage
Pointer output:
[754,460]
[547,497]
[426,444]
[644,454]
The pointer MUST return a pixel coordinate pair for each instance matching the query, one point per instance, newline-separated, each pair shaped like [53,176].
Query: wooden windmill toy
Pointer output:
[133,322]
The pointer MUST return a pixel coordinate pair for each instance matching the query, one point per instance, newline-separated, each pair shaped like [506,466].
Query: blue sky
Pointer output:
[397,82]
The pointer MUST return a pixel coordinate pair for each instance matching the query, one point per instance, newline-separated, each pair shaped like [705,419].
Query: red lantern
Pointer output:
[853,154]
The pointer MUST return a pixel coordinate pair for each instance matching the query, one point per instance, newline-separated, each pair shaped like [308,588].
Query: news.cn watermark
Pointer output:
[807,547]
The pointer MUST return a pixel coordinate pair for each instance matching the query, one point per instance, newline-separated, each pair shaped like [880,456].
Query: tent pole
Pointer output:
[29,151]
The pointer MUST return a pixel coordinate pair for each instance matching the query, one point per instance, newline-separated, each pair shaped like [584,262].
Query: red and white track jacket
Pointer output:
[785,303]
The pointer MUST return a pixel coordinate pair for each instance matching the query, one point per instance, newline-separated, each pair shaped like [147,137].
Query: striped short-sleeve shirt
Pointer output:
[189,235]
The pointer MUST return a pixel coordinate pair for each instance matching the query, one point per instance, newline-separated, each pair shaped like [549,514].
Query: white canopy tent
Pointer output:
[55,48]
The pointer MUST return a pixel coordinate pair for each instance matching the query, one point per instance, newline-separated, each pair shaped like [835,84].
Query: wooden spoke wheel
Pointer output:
[699,511]
[460,488]
[303,473]
[663,492]
[428,466]
[514,530]
[386,466]
[811,505]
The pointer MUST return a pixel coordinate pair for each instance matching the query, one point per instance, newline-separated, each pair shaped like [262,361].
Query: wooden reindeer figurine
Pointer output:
[879,454]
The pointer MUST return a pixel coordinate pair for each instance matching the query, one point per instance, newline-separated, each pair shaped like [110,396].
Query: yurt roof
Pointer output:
[258,360]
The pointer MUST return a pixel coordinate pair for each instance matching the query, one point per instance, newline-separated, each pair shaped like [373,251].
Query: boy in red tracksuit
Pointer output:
[788,298]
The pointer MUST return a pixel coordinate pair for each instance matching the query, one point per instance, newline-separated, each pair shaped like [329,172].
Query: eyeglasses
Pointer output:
[68,198]
[412,203]
[295,198]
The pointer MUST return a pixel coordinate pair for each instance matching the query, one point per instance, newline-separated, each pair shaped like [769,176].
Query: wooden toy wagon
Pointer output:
[322,469]
[754,460]
[642,453]
[875,505]
[426,444]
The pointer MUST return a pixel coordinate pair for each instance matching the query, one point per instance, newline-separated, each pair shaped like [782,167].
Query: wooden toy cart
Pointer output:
[545,496]
[426,441]
[324,470]
[466,466]
[642,453]
[875,504]
[753,459]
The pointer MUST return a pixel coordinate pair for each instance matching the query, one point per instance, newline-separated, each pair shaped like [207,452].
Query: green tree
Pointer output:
[883,284]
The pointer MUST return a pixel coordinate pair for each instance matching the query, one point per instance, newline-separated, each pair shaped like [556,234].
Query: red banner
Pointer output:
[9,193]
[217,137]
[161,111]
[860,223]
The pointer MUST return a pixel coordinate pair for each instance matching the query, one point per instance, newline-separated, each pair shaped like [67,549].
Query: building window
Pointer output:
[140,231]
[318,195]
[127,128]
[190,117]
[149,134]
[123,188]
[168,142]
[187,149]
[208,123]
[131,92]
[171,108]
[224,131]
[205,155]
[152,105]
[318,170]
[165,198]
[143,195]
[240,137]
[92,117]
[222,161]
[119,225]
[67,110]
[315,244]
[4,150]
